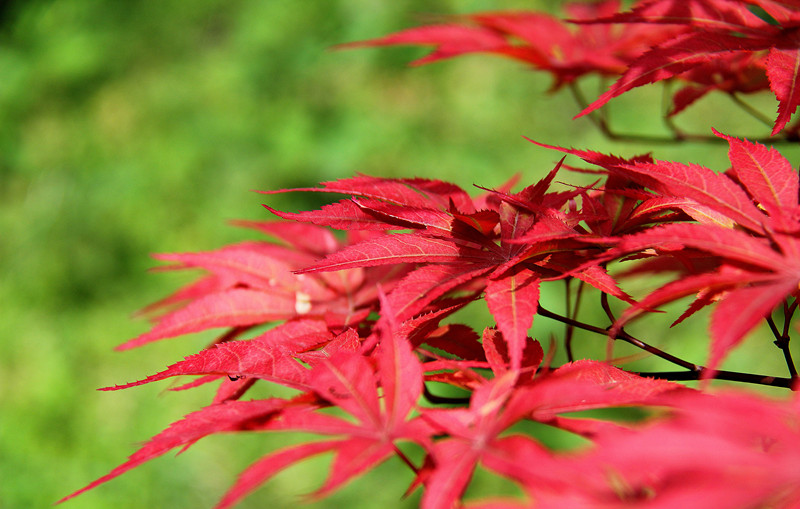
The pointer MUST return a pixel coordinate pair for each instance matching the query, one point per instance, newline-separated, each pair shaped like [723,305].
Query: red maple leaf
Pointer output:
[758,262]
[348,381]
[539,40]
[253,283]
[748,445]
[715,32]
[475,434]
[506,250]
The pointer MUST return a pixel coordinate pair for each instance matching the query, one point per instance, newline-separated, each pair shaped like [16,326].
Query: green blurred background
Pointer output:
[135,127]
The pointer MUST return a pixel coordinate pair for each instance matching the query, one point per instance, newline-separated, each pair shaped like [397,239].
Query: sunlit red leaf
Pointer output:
[513,299]
[673,58]
[783,70]
[271,356]
[740,311]
[225,417]
[404,248]
[232,308]
[262,470]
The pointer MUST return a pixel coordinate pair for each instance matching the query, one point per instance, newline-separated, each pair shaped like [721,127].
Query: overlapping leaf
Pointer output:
[226,417]
[539,40]
[760,198]
[348,381]
[731,239]
[714,31]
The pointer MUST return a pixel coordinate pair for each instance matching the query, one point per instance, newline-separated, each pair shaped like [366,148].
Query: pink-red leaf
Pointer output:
[766,174]
[455,462]
[727,277]
[268,357]
[415,192]
[435,221]
[716,191]
[225,417]
[262,470]
[713,15]
[233,308]
[513,299]
[723,242]
[450,40]
[429,282]
[347,380]
[399,370]
[713,190]
[674,57]
[404,248]
[496,352]
[586,385]
[742,310]
[246,264]
[342,215]
[304,237]
[783,71]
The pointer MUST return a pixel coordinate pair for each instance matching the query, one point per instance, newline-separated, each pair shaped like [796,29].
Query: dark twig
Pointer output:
[612,319]
[568,329]
[750,110]
[572,312]
[624,336]
[606,307]
[782,339]
[695,371]
[678,136]
[733,376]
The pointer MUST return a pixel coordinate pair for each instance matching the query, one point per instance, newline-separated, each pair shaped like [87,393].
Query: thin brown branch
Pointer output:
[732,376]
[694,371]
[624,336]
[782,339]
[678,136]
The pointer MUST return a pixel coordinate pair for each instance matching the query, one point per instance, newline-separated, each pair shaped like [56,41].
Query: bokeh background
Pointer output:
[135,127]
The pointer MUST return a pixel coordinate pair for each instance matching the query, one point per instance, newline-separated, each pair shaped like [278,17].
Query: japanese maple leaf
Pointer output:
[497,354]
[379,419]
[253,283]
[272,356]
[539,40]
[513,299]
[343,377]
[749,447]
[716,30]
[701,193]
[760,260]
[475,434]
[674,57]
[232,416]
[738,72]
[716,15]
[454,248]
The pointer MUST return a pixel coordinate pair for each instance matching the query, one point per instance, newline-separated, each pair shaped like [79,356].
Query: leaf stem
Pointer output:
[610,315]
[750,110]
[572,312]
[405,459]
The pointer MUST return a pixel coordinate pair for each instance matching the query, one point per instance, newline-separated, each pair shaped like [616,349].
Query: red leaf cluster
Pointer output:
[732,46]
[362,322]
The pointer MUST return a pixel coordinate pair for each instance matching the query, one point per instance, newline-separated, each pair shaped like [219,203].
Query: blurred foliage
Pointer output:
[140,126]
